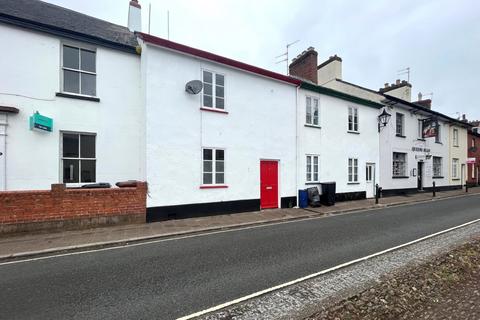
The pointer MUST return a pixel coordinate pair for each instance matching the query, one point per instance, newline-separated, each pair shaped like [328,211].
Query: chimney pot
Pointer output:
[420,96]
[397,81]
[386,84]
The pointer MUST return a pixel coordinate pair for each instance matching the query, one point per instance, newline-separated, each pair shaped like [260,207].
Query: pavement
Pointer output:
[171,278]
[23,245]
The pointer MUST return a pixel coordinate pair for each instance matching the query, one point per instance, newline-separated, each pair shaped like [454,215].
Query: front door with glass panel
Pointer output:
[370,179]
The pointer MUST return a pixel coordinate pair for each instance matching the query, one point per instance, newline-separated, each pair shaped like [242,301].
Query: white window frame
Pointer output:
[79,158]
[310,168]
[438,137]
[455,137]
[312,104]
[354,111]
[214,167]
[353,170]
[62,68]
[399,116]
[440,170]
[455,163]
[214,90]
[402,171]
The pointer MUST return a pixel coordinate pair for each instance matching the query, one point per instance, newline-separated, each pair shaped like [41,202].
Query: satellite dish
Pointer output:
[194,86]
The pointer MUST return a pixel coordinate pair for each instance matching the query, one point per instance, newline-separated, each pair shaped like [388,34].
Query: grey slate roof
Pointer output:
[64,22]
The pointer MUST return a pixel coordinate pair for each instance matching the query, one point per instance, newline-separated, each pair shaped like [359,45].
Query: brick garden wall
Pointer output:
[71,208]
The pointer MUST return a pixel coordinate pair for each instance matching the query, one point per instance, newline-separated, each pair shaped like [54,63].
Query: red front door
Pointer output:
[268,184]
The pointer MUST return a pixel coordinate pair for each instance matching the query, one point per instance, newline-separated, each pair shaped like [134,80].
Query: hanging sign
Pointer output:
[429,128]
[471,160]
[37,121]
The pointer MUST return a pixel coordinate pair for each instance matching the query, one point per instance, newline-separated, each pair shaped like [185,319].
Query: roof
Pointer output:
[340,95]
[59,21]
[357,86]
[427,110]
[216,58]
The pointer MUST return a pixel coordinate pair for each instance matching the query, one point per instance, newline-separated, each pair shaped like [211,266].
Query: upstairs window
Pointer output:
[213,166]
[438,137]
[213,90]
[455,137]
[78,158]
[79,71]
[312,111]
[400,124]
[352,119]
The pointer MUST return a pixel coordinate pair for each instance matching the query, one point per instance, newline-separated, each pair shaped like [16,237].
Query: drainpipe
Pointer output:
[296,142]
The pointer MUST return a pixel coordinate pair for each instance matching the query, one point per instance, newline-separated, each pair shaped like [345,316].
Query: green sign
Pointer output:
[37,121]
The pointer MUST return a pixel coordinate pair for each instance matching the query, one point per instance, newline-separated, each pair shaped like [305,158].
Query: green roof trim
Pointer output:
[340,95]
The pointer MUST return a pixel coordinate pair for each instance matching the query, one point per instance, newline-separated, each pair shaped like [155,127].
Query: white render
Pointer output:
[335,145]
[31,74]
[390,143]
[260,124]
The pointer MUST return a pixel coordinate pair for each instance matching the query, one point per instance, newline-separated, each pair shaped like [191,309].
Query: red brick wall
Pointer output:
[60,204]
[305,65]
[473,153]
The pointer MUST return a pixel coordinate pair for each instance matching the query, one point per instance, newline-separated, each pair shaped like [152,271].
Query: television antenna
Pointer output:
[286,55]
[404,71]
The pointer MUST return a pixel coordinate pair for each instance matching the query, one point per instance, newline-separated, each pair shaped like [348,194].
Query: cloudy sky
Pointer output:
[438,39]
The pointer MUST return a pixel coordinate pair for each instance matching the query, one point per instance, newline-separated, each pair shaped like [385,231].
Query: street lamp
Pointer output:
[383,119]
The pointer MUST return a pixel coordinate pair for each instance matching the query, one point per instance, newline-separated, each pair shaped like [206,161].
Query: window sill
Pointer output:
[214,110]
[353,182]
[400,177]
[354,132]
[438,177]
[77,96]
[213,186]
[456,146]
[455,179]
[439,143]
[420,139]
[400,136]
[313,182]
[312,126]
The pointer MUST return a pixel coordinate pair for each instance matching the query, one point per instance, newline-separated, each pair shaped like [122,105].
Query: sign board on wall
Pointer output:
[429,128]
[37,121]
[471,160]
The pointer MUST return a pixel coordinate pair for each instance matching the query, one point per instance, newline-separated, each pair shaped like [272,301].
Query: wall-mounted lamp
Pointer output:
[383,119]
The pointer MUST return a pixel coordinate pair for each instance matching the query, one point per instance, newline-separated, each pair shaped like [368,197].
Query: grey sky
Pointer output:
[438,39]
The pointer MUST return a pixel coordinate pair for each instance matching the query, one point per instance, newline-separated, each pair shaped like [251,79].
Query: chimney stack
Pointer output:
[330,70]
[305,65]
[400,89]
[134,16]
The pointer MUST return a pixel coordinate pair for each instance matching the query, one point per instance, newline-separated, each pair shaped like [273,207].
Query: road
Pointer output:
[174,278]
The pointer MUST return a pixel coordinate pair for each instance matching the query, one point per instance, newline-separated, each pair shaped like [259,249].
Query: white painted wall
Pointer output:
[390,143]
[260,125]
[335,144]
[459,152]
[30,69]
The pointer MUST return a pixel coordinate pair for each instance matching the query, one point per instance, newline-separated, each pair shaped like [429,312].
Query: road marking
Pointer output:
[340,266]
[141,241]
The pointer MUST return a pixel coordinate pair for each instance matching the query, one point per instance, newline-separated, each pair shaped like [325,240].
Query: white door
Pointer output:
[370,179]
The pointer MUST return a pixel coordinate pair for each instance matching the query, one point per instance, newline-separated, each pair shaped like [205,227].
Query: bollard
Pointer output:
[433,189]
[466,187]
[376,193]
